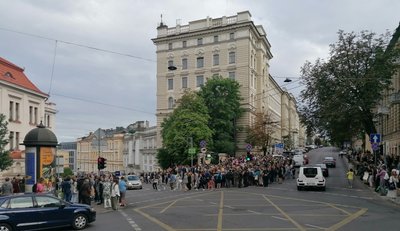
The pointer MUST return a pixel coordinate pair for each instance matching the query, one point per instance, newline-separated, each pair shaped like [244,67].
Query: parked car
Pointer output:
[311,177]
[329,161]
[325,171]
[298,160]
[42,211]
[133,182]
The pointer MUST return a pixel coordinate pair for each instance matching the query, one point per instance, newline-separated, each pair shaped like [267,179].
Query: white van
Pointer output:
[311,177]
[298,160]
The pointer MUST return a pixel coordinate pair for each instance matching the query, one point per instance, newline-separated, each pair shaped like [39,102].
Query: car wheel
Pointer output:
[323,188]
[5,227]
[299,188]
[80,221]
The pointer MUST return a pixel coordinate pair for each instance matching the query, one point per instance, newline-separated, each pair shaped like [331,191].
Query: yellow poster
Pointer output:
[47,163]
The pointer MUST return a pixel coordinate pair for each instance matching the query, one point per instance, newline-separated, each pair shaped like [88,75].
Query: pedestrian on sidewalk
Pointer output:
[115,194]
[350,177]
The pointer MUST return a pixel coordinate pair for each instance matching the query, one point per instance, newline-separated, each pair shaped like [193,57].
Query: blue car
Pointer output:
[42,211]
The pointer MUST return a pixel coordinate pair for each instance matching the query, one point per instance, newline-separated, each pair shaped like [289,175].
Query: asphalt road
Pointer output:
[277,207]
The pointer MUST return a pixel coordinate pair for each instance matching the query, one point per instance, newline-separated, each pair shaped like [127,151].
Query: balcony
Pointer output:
[394,98]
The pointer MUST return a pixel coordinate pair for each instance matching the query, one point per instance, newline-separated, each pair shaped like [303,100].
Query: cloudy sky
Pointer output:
[104,68]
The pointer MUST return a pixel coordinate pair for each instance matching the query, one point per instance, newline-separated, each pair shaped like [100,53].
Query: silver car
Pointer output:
[133,182]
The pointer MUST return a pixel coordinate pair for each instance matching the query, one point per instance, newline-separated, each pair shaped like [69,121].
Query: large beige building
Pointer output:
[232,47]
[106,143]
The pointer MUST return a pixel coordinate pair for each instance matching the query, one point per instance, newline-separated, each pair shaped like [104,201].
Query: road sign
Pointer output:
[375,138]
[203,143]
[249,147]
[279,145]
[375,146]
[192,151]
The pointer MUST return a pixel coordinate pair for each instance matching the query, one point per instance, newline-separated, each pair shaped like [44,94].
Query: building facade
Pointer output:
[388,113]
[106,143]
[140,148]
[128,150]
[25,107]
[68,151]
[232,47]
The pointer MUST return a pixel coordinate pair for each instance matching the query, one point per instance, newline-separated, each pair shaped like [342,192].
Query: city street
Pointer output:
[277,207]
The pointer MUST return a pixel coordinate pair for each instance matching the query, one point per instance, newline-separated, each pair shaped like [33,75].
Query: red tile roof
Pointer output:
[14,74]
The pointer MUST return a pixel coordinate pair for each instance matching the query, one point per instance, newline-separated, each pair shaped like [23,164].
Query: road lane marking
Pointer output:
[165,209]
[342,210]
[284,214]
[347,220]
[314,226]
[280,218]
[220,212]
[254,212]
[130,221]
[158,222]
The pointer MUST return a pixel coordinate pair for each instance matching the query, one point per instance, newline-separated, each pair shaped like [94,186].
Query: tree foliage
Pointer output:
[187,123]
[260,133]
[5,159]
[341,91]
[222,98]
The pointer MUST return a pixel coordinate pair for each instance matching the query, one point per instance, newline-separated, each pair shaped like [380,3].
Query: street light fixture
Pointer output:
[172,68]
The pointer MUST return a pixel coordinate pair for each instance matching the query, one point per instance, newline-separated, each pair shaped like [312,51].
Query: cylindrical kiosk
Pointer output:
[40,157]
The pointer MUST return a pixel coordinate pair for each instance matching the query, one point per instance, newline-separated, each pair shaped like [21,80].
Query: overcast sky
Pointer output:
[97,89]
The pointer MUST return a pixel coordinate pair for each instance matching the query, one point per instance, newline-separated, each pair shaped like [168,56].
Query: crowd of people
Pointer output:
[243,171]
[258,170]
[379,172]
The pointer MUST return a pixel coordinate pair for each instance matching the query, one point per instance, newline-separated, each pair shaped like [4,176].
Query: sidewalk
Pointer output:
[393,200]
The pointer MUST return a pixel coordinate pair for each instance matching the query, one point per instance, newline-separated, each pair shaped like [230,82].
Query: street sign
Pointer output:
[203,143]
[375,146]
[249,147]
[279,145]
[192,151]
[375,138]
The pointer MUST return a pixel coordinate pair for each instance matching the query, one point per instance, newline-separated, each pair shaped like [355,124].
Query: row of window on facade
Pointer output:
[14,114]
[216,39]
[14,140]
[200,61]
[199,80]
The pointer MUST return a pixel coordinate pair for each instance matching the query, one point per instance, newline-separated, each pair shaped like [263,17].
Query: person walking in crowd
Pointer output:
[115,194]
[122,191]
[85,192]
[393,182]
[7,187]
[350,177]
[381,177]
[107,193]
[66,188]
[74,190]
[40,188]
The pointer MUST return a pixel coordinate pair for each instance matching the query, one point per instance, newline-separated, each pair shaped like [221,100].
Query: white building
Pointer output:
[25,107]
[140,148]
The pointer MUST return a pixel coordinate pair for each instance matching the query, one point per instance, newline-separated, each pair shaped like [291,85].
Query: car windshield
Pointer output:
[310,172]
[133,178]
[328,158]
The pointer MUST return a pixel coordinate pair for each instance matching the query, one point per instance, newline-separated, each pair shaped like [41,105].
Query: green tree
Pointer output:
[340,92]
[260,134]
[188,122]
[5,159]
[68,172]
[222,98]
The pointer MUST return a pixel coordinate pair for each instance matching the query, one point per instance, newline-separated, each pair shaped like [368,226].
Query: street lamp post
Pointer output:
[191,155]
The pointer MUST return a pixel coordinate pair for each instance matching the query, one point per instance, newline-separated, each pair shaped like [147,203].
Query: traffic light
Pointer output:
[248,156]
[101,163]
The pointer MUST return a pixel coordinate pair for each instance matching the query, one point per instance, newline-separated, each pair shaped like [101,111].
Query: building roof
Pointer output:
[14,75]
